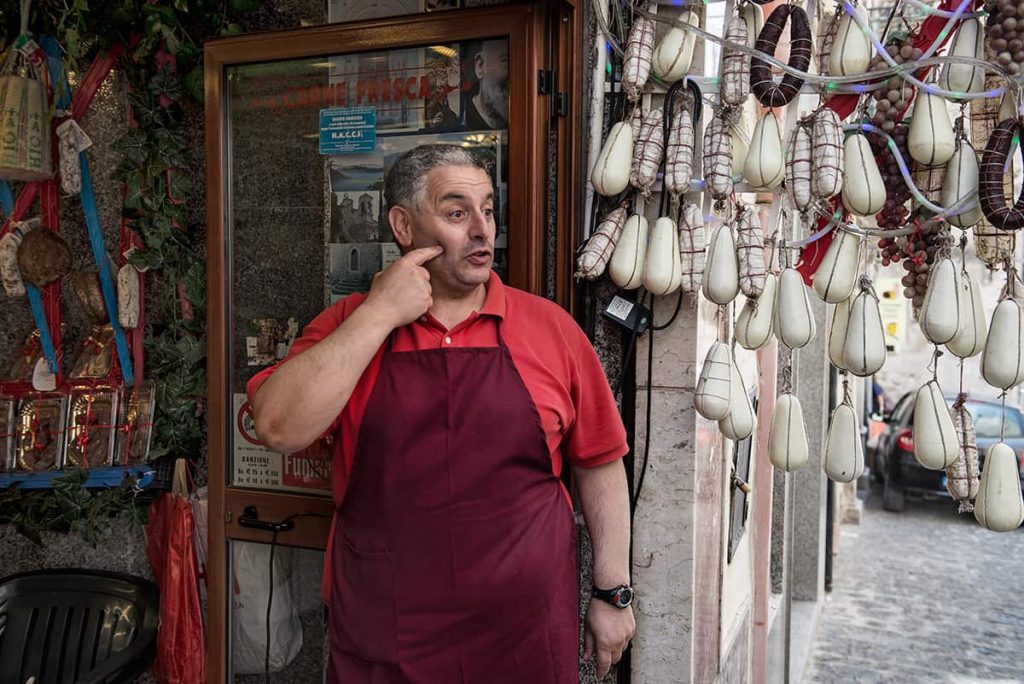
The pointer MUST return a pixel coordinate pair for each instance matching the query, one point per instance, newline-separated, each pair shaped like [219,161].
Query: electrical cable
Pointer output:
[647,419]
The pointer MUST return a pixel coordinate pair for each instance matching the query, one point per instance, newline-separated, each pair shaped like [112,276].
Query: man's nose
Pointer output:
[479,224]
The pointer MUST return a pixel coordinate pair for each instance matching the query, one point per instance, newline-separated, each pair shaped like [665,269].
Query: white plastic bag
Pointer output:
[249,605]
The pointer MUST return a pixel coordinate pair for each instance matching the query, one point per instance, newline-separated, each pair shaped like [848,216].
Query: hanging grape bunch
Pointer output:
[1005,34]
[919,254]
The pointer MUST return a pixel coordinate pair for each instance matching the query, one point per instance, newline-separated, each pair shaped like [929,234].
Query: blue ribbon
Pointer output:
[6,198]
[99,253]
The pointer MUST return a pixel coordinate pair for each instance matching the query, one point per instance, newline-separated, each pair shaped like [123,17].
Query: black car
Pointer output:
[892,462]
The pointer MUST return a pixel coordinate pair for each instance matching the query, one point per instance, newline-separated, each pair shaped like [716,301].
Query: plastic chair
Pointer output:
[76,627]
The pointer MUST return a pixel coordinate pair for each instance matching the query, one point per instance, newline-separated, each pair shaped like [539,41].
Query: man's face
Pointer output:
[457,212]
[492,70]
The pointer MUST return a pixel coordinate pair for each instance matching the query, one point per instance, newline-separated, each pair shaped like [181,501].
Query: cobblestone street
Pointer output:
[922,596]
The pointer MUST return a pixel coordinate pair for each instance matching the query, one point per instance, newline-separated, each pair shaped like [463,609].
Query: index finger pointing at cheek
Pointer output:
[424,254]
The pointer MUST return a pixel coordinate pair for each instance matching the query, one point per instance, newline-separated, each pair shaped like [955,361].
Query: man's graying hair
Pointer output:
[406,182]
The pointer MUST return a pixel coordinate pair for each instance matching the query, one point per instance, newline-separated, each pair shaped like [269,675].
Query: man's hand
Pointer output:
[401,292]
[607,632]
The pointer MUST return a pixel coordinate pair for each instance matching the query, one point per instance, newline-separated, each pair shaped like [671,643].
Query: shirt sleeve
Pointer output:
[597,435]
[320,327]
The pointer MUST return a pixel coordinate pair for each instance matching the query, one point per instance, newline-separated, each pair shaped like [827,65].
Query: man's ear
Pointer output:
[401,226]
[478,65]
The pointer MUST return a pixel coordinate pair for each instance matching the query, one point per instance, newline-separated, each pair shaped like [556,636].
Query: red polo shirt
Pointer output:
[558,365]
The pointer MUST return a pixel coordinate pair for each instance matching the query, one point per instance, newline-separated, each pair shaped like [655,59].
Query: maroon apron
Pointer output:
[454,555]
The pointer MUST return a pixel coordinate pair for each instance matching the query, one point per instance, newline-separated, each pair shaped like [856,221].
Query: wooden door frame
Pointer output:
[526,25]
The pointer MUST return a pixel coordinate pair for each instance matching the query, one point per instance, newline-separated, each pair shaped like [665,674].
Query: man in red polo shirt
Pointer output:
[455,400]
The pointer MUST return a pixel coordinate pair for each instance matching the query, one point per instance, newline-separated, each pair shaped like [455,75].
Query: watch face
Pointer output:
[623,597]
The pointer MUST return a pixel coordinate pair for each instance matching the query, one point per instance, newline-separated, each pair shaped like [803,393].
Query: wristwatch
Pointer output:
[620,596]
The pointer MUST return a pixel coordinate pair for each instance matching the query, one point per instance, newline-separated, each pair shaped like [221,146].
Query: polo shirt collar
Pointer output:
[494,301]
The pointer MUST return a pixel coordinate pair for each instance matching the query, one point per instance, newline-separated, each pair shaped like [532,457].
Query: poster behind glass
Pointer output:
[455,93]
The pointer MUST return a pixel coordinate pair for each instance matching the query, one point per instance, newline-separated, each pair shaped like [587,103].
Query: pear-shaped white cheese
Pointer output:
[753,17]
[967,41]
[863,190]
[1002,361]
[713,394]
[844,457]
[787,440]
[765,166]
[674,53]
[836,277]
[999,505]
[737,133]
[961,181]
[740,422]
[627,265]
[754,322]
[851,49]
[935,445]
[794,322]
[611,171]
[837,334]
[663,270]
[930,139]
[720,282]
[940,312]
[864,348]
[971,334]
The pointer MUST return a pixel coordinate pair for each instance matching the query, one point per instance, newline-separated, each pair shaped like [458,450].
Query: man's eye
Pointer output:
[457,214]
[489,213]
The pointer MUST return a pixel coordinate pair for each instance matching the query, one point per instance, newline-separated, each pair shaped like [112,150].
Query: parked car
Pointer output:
[892,461]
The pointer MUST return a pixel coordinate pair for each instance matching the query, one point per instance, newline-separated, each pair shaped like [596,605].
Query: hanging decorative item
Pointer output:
[750,250]
[718,158]
[864,346]
[843,459]
[968,41]
[691,247]
[836,278]
[935,443]
[837,334]
[720,282]
[735,64]
[794,322]
[993,168]
[648,152]
[764,165]
[662,268]
[754,324]
[765,89]
[741,420]
[787,440]
[851,49]
[799,163]
[679,155]
[961,182]
[863,190]
[930,140]
[636,64]
[612,168]
[627,265]
[713,395]
[971,334]
[25,124]
[940,313]
[999,505]
[827,154]
[1002,360]
[672,56]
[962,477]
[594,256]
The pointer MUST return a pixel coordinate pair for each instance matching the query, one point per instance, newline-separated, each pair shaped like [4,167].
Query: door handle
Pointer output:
[250,518]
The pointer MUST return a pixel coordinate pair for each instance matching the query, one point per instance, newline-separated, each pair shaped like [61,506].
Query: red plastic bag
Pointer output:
[170,545]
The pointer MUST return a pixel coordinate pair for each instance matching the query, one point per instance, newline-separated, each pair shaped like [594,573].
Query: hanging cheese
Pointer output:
[935,443]
[864,347]
[594,256]
[735,64]
[750,250]
[1002,361]
[999,505]
[971,333]
[967,41]
[794,322]
[128,300]
[843,460]
[798,167]
[851,48]
[940,312]
[753,17]
[691,247]
[764,166]
[720,282]
[962,477]
[662,271]
[740,422]
[961,181]
[718,158]
[755,320]
[10,274]
[636,61]
[713,394]
[836,277]
[627,265]
[674,53]
[739,138]
[679,153]
[648,151]
[827,154]
[863,190]
[787,440]
[930,139]
[837,334]
[611,171]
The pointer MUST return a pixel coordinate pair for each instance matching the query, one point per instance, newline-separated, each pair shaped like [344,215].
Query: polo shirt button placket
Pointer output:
[447,339]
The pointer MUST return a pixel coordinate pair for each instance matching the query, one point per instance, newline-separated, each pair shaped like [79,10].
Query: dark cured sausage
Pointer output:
[769,93]
[990,182]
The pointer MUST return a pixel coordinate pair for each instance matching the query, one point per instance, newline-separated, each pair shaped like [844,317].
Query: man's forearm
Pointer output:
[604,496]
[304,396]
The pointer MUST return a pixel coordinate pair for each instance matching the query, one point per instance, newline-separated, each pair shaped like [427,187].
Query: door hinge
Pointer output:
[545,81]
[560,105]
